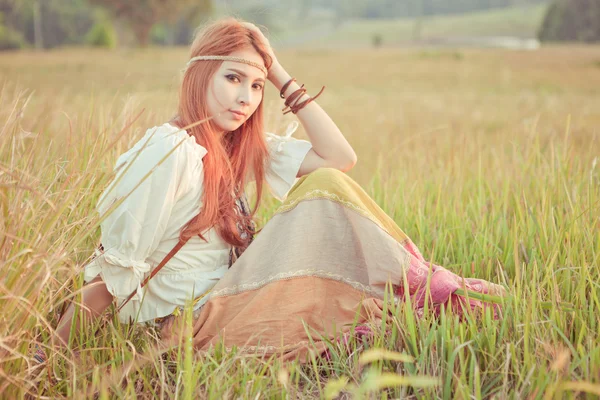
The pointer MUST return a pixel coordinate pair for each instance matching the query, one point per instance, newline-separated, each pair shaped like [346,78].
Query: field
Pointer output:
[487,159]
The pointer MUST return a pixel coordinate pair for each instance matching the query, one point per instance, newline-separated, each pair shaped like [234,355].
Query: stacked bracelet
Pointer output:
[284,88]
[292,101]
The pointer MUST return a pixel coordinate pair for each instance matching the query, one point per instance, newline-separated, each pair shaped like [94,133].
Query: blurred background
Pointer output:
[476,125]
[399,73]
[46,24]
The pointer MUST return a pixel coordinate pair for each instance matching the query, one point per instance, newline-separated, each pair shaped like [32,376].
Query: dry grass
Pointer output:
[487,159]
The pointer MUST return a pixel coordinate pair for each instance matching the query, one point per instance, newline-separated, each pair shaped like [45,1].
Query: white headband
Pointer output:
[227,58]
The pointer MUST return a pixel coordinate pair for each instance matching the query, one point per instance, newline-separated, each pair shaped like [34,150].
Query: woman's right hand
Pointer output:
[265,41]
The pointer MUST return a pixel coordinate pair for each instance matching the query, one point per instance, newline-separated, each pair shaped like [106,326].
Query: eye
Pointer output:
[258,86]
[232,78]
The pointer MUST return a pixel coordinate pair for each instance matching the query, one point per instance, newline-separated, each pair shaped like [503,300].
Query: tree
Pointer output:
[143,14]
[572,20]
[48,23]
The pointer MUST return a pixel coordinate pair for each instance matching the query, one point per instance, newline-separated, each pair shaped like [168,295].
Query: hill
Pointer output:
[521,22]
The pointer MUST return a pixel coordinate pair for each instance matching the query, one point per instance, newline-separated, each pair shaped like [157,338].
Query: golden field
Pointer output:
[487,159]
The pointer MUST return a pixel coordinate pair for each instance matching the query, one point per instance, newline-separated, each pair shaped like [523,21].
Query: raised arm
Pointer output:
[330,147]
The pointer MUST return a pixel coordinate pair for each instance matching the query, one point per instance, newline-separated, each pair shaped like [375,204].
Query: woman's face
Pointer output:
[235,91]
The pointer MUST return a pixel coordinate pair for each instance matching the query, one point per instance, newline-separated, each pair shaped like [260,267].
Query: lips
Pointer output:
[238,113]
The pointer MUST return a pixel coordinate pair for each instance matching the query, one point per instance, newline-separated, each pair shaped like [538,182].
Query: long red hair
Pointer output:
[230,158]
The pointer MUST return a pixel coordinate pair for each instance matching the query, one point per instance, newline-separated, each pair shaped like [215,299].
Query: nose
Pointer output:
[244,96]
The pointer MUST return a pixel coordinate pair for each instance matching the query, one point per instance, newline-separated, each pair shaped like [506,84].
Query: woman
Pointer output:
[177,219]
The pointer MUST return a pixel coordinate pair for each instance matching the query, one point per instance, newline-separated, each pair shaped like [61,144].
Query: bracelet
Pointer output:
[293,99]
[284,88]
[305,102]
[292,102]
[295,95]
[295,107]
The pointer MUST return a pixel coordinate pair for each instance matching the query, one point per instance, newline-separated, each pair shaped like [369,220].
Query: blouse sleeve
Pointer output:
[286,156]
[143,193]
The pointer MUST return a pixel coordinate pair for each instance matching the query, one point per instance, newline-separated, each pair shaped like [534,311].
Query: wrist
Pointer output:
[278,76]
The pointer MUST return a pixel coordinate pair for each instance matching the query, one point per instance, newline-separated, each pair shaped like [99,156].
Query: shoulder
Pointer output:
[277,143]
[164,142]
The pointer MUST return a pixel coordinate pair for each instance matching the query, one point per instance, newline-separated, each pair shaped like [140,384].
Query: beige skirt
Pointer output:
[318,269]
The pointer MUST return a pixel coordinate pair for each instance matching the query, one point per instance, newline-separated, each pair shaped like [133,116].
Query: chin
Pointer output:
[234,126]
[228,126]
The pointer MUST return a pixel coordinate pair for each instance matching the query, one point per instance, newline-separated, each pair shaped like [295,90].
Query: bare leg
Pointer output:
[95,299]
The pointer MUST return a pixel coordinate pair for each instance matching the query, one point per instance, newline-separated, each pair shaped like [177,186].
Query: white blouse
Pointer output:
[160,183]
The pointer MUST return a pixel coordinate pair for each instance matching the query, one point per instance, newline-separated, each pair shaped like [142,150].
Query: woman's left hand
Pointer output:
[265,41]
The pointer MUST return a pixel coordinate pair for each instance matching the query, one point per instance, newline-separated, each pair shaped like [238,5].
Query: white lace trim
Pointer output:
[291,128]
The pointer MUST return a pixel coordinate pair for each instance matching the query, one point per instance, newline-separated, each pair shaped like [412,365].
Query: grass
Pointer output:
[521,21]
[486,159]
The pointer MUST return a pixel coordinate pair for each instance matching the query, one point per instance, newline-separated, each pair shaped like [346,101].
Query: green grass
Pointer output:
[522,22]
[488,160]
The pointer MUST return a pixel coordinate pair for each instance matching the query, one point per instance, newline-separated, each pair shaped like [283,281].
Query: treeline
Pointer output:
[24,23]
[51,23]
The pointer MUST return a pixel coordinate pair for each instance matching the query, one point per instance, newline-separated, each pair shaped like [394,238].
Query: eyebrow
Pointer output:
[244,75]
